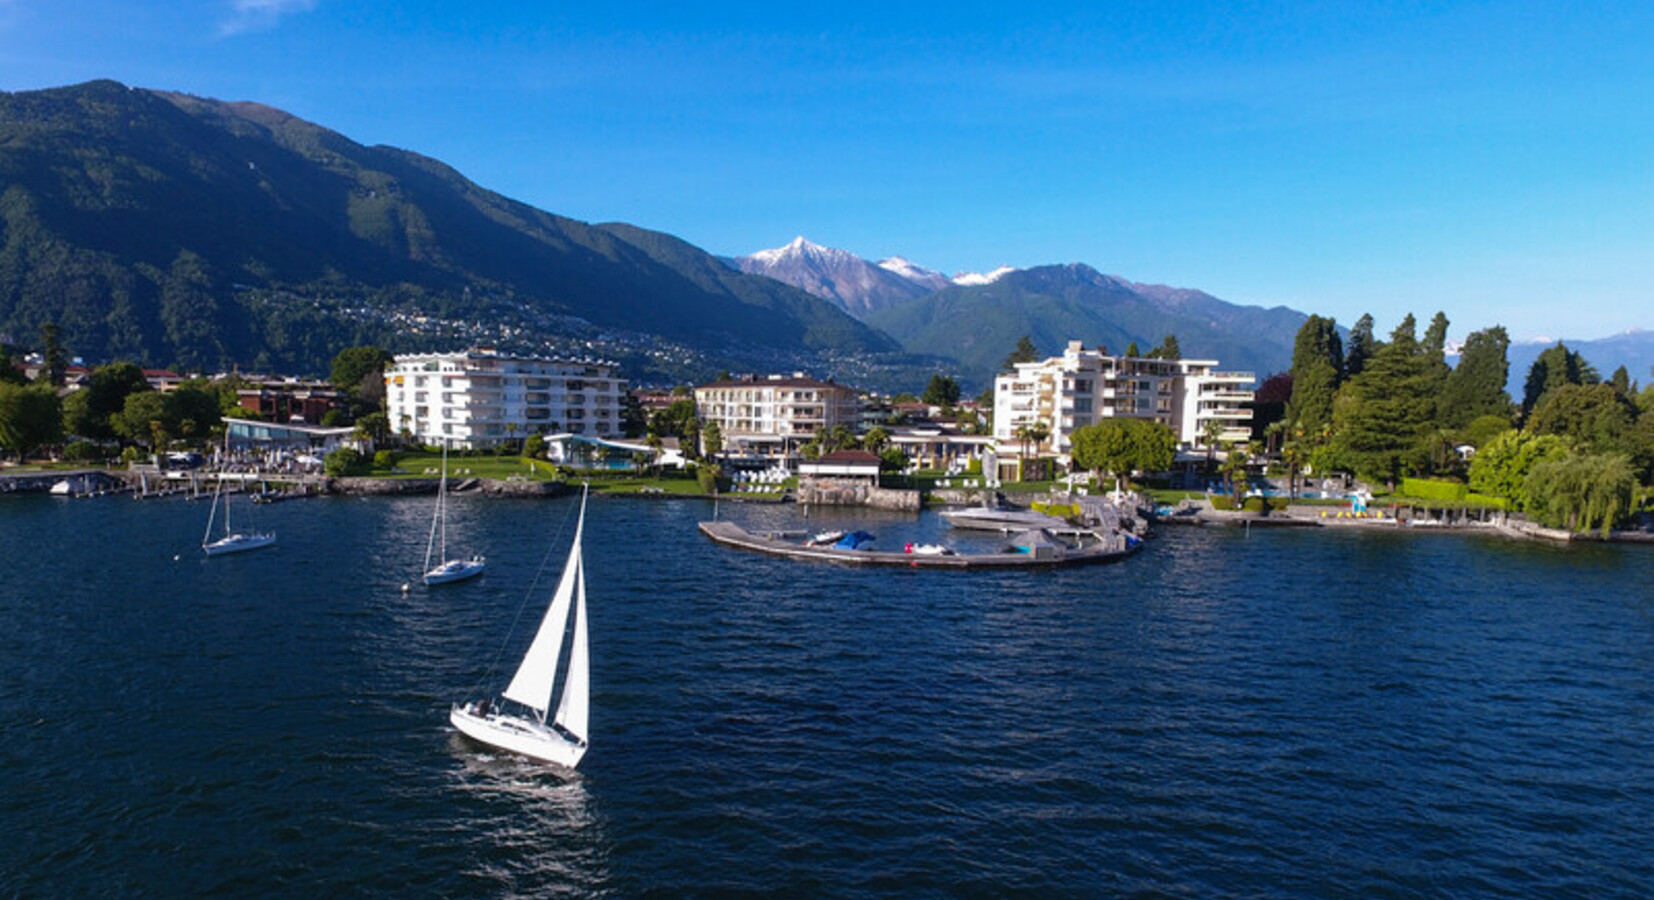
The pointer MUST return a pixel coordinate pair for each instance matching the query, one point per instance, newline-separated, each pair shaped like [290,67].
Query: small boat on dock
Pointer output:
[1007,521]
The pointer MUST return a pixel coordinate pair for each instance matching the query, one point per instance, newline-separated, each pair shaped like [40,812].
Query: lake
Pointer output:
[1280,713]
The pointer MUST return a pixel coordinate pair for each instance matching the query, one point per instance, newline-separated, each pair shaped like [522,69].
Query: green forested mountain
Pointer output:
[171,229]
[978,325]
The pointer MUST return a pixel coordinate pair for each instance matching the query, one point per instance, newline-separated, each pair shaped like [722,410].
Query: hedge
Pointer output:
[1426,489]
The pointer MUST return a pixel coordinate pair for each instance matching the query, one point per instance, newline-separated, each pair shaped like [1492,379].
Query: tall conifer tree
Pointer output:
[1476,387]
[1317,367]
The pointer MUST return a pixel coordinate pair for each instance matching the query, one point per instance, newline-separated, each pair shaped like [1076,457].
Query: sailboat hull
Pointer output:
[455,570]
[519,735]
[238,543]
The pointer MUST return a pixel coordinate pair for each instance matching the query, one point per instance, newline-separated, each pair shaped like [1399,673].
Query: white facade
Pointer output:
[774,416]
[480,398]
[1083,387]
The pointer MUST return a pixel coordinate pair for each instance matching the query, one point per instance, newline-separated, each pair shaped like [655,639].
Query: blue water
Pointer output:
[1293,713]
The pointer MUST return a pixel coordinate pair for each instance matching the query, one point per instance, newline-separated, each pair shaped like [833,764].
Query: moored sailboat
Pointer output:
[233,541]
[446,570]
[517,722]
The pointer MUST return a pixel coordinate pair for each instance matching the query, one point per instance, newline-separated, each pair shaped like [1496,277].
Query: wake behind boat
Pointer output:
[517,721]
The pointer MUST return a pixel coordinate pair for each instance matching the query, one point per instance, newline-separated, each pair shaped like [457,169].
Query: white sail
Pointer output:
[534,679]
[576,702]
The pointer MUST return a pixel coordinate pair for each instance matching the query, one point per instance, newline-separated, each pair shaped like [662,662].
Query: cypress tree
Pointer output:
[1555,367]
[1476,387]
[1384,414]
[1361,348]
[1317,364]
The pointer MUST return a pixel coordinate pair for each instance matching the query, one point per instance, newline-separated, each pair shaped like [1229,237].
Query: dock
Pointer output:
[789,545]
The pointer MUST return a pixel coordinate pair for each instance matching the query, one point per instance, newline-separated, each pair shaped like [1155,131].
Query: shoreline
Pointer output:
[126,481]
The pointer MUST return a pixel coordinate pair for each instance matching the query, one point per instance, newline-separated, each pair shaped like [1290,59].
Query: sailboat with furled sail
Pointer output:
[517,722]
[446,570]
[232,541]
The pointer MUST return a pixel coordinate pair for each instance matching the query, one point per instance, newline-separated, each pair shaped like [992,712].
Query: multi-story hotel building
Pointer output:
[480,398]
[1082,387]
[774,416]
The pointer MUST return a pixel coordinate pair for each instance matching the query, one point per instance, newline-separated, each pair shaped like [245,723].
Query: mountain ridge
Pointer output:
[174,229]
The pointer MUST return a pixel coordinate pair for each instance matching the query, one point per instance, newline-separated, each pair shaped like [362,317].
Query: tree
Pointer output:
[1554,367]
[1361,347]
[1168,349]
[1501,467]
[942,391]
[31,416]
[57,362]
[9,372]
[1233,470]
[360,371]
[1122,446]
[1382,416]
[1593,416]
[1317,366]
[1581,492]
[1476,387]
[1024,352]
[1131,350]
[876,439]
[1031,433]
[104,395]
[1621,381]
[143,419]
[712,439]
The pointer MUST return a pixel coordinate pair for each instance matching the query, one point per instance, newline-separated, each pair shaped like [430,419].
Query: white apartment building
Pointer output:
[1082,387]
[479,397]
[774,416]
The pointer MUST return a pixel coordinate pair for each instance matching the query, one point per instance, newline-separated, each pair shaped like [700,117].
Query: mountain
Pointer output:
[177,230]
[930,279]
[979,324]
[971,279]
[1632,349]
[856,285]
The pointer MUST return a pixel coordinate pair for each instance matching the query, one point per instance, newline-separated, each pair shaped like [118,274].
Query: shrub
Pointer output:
[1430,489]
[384,459]
[707,475]
[343,461]
[81,451]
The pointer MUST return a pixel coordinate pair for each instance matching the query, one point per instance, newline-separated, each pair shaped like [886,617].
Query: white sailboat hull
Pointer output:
[455,570]
[516,734]
[237,543]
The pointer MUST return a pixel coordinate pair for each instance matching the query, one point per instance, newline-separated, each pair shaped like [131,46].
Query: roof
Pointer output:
[850,456]
[790,382]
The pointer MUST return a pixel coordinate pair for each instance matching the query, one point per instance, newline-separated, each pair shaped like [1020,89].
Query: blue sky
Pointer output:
[1492,160]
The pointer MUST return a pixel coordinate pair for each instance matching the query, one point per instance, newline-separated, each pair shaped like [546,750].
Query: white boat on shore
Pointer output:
[517,722]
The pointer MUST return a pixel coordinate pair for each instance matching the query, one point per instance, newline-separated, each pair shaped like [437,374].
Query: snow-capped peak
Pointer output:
[974,278]
[914,272]
[799,248]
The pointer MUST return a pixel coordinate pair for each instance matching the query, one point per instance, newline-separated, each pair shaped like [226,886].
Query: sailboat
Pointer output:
[233,541]
[517,721]
[446,570]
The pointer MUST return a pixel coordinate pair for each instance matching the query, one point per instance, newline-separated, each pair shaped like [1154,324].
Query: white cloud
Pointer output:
[259,15]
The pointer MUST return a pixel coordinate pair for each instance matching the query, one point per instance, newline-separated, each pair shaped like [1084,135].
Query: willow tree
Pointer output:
[1582,492]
